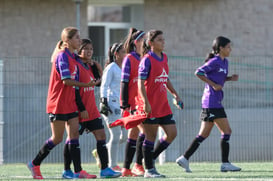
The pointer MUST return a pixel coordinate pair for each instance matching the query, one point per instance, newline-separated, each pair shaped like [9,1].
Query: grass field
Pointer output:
[253,171]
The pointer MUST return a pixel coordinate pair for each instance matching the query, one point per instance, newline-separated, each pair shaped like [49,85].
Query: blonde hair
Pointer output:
[66,35]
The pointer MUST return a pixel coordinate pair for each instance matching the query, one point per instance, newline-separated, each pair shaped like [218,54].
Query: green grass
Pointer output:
[253,171]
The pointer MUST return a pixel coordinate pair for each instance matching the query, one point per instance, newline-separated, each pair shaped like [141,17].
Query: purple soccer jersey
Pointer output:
[216,70]
[62,64]
[145,65]
[126,67]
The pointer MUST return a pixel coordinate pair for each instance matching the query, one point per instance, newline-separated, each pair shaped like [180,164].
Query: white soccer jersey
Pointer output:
[110,84]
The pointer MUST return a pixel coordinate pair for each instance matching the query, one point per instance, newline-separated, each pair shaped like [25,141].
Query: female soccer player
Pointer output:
[128,90]
[214,73]
[95,66]
[153,84]
[110,99]
[61,104]
[86,103]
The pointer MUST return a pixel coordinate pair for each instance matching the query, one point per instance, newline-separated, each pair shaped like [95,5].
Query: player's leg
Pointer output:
[167,123]
[130,150]
[205,129]
[224,128]
[57,130]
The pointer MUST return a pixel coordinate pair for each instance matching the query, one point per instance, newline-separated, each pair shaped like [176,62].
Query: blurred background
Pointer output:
[30,30]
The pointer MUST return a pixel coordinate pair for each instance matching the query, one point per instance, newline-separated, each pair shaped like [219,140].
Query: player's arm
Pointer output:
[203,70]
[124,85]
[143,74]
[171,89]
[62,66]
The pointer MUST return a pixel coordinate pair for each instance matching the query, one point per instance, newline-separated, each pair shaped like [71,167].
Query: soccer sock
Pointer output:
[148,153]
[129,153]
[225,147]
[139,143]
[102,153]
[160,147]
[44,151]
[75,154]
[67,158]
[193,147]
[113,146]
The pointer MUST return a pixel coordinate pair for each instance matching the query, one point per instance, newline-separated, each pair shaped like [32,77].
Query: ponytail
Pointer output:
[111,53]
[218,42]
[209,56]
[59,47]
[129,45]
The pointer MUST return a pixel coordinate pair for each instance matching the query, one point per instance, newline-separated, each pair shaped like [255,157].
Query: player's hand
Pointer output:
[84,114]
[147,108]
[104,108]
[234,77]
[217,87]
[178,103]
[91,83]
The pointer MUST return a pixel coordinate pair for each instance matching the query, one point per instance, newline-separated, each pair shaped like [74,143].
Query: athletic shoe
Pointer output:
[152,173]
[184,163]
[68,174]
[96,156]
[35,170]
[84,174]
[138,170]
[109,173]
[225,167]
[116,168]
[127,173]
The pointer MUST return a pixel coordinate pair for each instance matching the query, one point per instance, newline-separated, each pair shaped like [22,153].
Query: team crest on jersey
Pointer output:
[163,77]
[223,70]
[74,73]
[135,79]
[89,88]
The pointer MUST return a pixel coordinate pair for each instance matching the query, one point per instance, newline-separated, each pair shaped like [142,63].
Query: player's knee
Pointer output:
[56,141]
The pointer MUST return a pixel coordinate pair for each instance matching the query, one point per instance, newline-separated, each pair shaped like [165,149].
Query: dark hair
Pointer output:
[83,44]
[218,42]
[151,35]
[133,35]
[116,47]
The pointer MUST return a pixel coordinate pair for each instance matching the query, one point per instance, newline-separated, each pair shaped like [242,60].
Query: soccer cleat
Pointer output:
[35,170]
[84,174]
[116,168]
[109,173]
[95,155]
[138,170]
[127,173]
[225,167]
[184,163]
[152,173]
[68,174]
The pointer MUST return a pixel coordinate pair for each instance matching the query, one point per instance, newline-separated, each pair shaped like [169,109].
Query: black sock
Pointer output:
[148,153]
[225,147]
[67,158]
[193,147]
[160,147]
[75,154]
[129,153]
[139,143]
[102,153]
[44,151]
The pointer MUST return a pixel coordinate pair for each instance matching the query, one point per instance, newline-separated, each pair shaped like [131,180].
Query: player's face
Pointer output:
[75,41]
[121,54]
[87,52]
[225,51]
[158,43]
